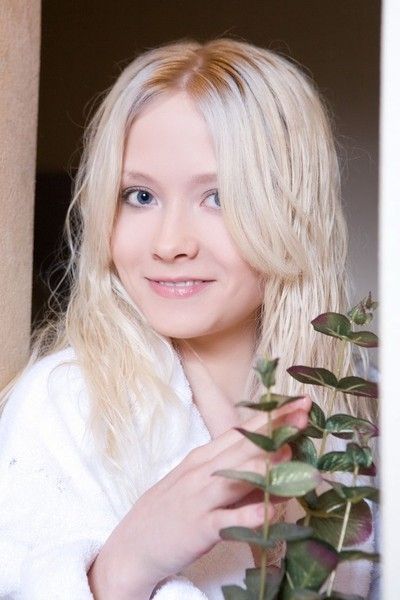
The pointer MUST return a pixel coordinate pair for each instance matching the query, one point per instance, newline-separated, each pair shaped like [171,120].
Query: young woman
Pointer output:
[205,231]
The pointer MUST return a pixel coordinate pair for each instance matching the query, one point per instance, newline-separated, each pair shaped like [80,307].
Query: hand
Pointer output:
[179,518]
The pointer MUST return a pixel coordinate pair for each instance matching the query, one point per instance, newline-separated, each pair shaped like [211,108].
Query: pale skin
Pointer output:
[170,226]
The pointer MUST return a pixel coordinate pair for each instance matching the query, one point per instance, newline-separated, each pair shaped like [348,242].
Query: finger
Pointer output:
[230,437]
[303,403]
[297,418]
[284,454]
[247,456]
[220,491]
[250,515]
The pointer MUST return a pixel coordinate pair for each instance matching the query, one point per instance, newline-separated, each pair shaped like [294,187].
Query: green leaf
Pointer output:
[316,422]
[358,555]
[274,579]
[289,532]
[309,563]
[244,534]
[362,313]
[275,401]
[235,592]
[360,455]
[357,386]
[281,436]
[366,339]
[333,324]
[313,375]
[293,479]
[253,478]
[309,501]
[328,527]
[262,405]
[355,493]
[342,461]
[335,461]
[263,441]
[266,369]
[303,449]
[284,434]
[299,594]
[339,326]
[339,596]
[329,501]
[343,426]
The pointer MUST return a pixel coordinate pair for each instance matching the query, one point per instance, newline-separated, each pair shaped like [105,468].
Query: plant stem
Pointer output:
[266,519]
[332,399]
[331,404]
[342,534]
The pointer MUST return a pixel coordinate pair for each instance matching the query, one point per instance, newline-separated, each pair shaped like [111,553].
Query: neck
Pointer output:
[228,357]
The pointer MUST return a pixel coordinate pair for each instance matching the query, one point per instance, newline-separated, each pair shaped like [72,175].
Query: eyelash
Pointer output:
[127,192]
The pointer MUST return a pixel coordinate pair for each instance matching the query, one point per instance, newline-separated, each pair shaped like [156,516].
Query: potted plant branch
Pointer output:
[337,518]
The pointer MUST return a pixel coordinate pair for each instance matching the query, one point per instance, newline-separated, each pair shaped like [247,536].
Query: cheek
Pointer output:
[123,242]
[250,283]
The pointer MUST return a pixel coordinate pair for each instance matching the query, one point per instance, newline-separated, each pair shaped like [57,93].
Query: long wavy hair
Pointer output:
[274,146]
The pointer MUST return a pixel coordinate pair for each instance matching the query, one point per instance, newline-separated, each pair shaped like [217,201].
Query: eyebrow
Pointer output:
[196,179]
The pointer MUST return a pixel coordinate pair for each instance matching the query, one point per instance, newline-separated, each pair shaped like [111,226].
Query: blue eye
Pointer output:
[215,199]
[137,197]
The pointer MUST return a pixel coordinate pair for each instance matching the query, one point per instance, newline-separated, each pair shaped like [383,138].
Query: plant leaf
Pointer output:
[328,528]
[253,478]
[274,579]
[339,326]
[235,592]
[282,435]
[266,405]
[262,405]
[355,493]
[342,461]
[362,313]
[316,422]
[293,478]
[266,369]
[309,562]
[343,426]
[358,555]
[244,534]
[263,441]
[289,532]
[357,386]
[313,375]
[360,455]
[366,339]
[332,323]
[339,596]
[303,449]
[299,594]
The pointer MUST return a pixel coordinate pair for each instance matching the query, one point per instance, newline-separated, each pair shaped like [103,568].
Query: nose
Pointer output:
[175,237]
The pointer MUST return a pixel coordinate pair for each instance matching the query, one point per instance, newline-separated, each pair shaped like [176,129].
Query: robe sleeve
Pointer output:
[55,510]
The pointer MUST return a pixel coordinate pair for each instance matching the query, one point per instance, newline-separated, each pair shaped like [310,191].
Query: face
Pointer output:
[170,245]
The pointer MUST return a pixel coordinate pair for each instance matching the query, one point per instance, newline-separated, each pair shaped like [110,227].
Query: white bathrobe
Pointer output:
[58,505]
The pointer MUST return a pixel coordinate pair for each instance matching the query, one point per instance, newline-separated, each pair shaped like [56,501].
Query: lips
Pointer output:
[180,287]
[177,279]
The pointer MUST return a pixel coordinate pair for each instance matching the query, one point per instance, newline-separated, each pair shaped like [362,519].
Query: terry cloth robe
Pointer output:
[58,505]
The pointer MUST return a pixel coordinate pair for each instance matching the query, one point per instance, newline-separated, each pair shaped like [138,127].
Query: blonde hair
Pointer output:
[279,187]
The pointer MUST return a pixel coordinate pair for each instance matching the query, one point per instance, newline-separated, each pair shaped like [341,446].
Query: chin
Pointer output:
[180,331]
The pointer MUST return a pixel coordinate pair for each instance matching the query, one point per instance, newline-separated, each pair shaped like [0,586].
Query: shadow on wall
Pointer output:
[53,194]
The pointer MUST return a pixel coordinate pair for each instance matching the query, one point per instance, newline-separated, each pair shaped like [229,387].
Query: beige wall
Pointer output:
[19,75]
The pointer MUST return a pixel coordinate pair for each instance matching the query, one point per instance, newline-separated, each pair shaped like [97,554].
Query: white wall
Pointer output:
[389,255]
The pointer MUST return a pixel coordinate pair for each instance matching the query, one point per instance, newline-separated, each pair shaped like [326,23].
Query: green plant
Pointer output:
[335,520]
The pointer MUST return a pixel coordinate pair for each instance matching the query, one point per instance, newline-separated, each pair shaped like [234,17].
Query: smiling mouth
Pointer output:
[179,288]
[187,283]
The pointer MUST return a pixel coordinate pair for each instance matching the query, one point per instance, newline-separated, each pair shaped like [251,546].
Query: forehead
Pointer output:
[170,135]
